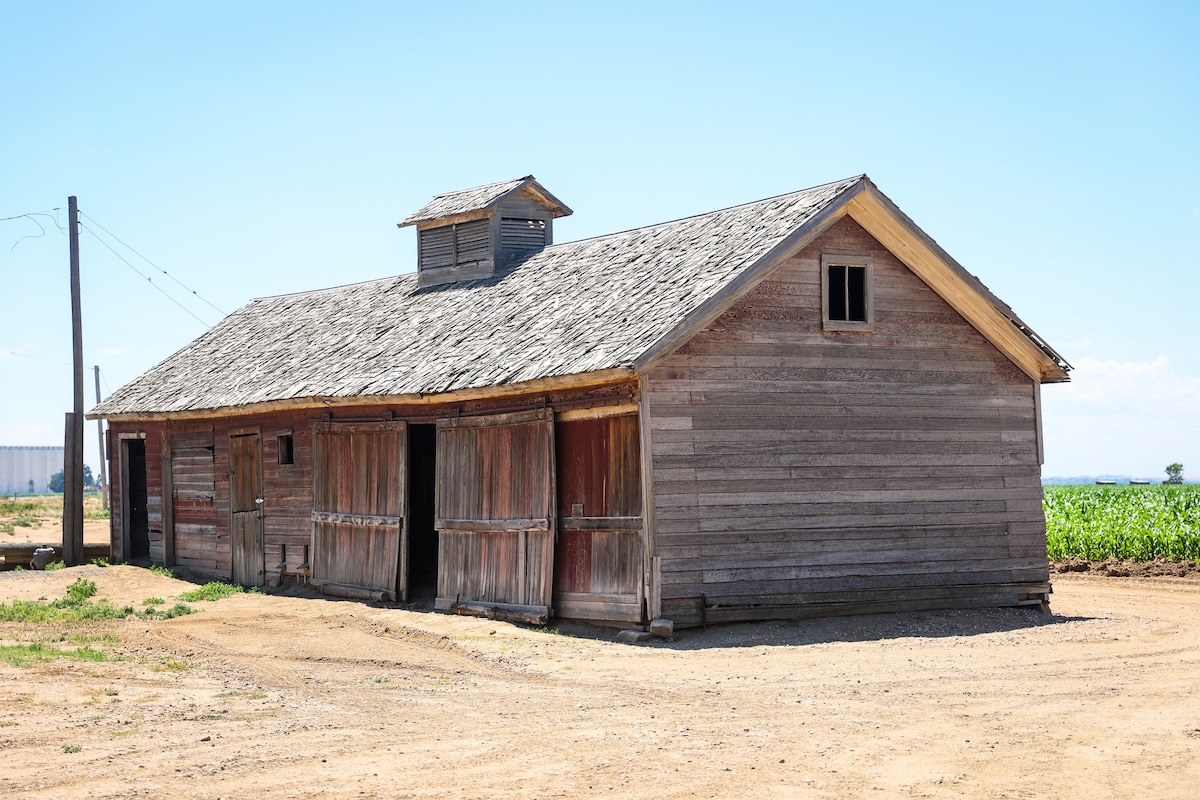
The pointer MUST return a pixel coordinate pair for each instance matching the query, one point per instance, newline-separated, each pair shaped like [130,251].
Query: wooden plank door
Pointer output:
[495,513]
[598,560]
[359,525]
[246,505]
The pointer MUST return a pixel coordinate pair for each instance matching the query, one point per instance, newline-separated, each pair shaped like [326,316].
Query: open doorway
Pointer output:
[422,538]
[137,524]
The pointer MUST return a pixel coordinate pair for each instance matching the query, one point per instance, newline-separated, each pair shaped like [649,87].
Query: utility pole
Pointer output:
[73,452]
[103,459]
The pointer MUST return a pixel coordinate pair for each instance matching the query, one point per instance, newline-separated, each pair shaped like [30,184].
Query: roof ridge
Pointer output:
[848,181]
[598,236]
[482,186]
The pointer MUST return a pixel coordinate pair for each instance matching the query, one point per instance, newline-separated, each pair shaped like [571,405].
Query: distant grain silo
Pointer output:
[27,470]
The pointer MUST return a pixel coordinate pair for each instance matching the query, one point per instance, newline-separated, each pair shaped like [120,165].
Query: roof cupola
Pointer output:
[470,233]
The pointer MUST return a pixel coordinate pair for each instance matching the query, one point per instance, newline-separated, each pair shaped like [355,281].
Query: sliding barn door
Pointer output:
[358,512]
[495,512]
[598,560]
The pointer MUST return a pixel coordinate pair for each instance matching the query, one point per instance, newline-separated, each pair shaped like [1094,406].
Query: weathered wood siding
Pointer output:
[794,467]
[202,511]
[287,494]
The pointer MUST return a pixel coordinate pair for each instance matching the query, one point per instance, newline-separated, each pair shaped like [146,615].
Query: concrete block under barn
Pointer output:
[796,406]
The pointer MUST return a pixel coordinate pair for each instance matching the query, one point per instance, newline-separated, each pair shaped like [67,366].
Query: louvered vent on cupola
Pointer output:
[472,233]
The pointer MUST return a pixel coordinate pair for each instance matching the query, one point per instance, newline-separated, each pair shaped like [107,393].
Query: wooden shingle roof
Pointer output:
[452,204]
[602,304]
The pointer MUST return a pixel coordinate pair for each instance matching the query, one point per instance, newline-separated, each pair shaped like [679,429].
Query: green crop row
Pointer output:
[1137,523]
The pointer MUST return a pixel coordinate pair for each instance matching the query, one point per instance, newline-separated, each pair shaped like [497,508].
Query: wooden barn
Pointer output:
[796,406]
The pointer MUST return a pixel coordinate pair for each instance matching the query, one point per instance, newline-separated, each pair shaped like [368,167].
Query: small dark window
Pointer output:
[285,451]
[847,293]
[846,282]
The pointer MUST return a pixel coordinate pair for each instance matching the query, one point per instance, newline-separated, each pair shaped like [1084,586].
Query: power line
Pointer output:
[151,263]
[104,380]
[31,358]
[30,216]
[142,274]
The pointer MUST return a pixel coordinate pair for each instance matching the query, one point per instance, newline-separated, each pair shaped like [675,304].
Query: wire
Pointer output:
[31,213]
[104,380]
[151,263]
[5,353]
[30,216]
[147,277]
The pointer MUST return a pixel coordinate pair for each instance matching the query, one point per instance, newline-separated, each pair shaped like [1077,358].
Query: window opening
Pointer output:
[285,449]
[846,283]
[847,293]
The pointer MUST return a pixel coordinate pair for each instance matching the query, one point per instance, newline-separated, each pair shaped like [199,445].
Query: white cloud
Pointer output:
[1127,418]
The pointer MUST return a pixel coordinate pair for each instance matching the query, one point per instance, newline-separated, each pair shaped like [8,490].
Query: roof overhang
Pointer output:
[583,380]
[880,217]
[426,218]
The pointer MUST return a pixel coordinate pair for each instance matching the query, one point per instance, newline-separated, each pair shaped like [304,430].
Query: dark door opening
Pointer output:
[135,489]
[422,537]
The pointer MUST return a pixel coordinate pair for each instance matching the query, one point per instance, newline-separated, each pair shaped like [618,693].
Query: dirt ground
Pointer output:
[282,696]
[46,527]
[95,531]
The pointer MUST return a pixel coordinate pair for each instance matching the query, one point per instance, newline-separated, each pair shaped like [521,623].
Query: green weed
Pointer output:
[72,748]
[23,655]
[77,593]
[166,572]
[53,565]
[177,610]
[214,590]
[153,601]
[75,606]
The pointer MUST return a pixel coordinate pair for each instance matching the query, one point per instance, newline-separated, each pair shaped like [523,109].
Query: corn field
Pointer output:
[1137,523]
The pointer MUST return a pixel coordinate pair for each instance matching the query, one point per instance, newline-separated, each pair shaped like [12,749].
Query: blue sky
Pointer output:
[255,149]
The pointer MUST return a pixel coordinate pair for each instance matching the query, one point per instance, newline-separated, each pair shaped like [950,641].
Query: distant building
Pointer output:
[27,470]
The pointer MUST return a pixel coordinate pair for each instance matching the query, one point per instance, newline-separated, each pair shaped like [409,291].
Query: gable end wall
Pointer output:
[797,468]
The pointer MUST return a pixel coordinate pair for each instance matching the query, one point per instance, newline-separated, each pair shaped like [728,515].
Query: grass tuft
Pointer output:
[177,610]
[75,606]
[23,655]
[166,572]
[214,590]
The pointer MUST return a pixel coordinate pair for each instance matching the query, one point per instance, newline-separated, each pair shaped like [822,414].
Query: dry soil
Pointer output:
[279,696]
